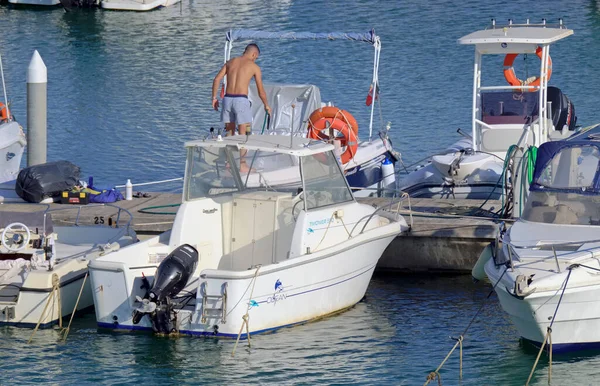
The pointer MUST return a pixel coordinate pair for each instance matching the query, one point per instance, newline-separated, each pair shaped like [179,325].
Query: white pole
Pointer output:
[4,88]
[539,134]
[377,45]
[476,84]
[37,81]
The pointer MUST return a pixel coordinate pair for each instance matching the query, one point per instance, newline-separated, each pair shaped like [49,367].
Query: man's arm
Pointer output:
[215,87]
[261,90]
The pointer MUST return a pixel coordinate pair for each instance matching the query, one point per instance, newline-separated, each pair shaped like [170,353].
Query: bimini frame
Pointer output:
[368,37]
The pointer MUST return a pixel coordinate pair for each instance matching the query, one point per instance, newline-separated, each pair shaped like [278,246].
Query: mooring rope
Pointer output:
[548,336]
[459,341]
[53,292]
[66,331]
[246,316]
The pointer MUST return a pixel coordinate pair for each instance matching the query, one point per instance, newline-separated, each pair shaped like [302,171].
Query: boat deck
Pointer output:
[445,235]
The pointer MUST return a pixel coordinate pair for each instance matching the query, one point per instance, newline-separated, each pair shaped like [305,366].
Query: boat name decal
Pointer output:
[311,224]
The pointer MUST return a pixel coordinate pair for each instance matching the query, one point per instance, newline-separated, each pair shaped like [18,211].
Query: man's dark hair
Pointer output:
[252,45]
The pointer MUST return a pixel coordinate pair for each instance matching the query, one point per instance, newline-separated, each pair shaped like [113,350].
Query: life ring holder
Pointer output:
[511,77]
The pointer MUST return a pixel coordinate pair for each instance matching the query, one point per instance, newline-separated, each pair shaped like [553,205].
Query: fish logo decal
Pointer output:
[10,156]
[278,286]
[253,303]
[310,230]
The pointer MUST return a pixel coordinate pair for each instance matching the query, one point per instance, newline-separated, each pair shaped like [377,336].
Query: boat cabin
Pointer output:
[259,223]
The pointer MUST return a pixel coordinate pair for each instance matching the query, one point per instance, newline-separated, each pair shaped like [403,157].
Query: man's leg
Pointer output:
[230,128]
[243,130]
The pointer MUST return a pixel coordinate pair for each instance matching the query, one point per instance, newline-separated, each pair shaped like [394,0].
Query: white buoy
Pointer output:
[37,81]
[129,190]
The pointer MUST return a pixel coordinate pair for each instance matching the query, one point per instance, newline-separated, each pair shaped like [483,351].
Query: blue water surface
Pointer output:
[126,90]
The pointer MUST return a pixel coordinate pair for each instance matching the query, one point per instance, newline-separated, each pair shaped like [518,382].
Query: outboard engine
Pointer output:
[563,110]
[171,277]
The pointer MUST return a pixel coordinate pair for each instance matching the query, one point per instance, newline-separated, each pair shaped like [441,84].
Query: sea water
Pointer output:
[125,90]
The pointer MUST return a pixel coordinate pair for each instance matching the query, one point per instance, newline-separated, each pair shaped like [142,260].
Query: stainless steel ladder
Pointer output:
[214,312]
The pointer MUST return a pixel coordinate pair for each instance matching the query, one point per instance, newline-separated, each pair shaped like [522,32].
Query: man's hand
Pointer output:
[268,109]
[215,104]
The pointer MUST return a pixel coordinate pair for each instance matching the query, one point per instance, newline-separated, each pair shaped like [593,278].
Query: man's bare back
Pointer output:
[239,72]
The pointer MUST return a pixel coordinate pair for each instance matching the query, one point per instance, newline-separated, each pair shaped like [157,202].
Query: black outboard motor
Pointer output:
[171,277]
[563,110]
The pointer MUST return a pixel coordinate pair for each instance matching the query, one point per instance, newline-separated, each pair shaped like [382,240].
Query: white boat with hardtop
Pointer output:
[506,121]
[260,258]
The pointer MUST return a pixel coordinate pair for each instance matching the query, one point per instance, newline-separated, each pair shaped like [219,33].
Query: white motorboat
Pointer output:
[35,2]
[236,254]
[12,146]
[43,267]
[368,163]
[546,268]
[136,5]
[12,141]
[523,113]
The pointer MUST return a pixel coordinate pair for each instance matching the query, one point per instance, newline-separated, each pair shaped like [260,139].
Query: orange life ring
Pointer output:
[511,78]
[3,112]
[334,113]
[319,130]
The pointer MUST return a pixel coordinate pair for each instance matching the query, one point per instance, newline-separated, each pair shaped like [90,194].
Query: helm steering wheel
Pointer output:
[10,237]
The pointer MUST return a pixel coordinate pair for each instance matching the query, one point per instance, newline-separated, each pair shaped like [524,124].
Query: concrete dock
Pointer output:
[443,238]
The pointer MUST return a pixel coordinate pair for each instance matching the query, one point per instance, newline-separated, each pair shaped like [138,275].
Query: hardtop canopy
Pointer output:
[296,146]
[515,38]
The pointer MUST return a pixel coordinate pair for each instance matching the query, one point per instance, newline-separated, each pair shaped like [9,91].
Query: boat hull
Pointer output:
[132,5]
[284,294]
[575,327]
[31,302]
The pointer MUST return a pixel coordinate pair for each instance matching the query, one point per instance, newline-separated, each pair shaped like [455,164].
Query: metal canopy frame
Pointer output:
[367,37]
[488,42]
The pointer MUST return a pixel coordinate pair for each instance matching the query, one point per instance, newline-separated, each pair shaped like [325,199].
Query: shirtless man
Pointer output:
[236,106]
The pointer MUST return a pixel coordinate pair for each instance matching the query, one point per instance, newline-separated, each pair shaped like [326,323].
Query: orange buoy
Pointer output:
[334,113]
[3,112]
[511,78]
[319,130]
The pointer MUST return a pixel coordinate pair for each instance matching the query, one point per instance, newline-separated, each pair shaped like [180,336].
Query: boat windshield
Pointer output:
[210,172]
[564,192]
[508,107]
[324,183]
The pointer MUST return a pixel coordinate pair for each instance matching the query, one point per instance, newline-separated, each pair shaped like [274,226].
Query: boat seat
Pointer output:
[500,139]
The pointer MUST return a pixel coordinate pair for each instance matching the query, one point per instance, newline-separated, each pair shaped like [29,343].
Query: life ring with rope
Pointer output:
[333,118]
[334,113]
[511,77]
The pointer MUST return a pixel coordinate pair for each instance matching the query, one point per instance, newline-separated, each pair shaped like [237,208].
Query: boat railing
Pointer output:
[393,201]
[49,210]
[543,243]
[527,24]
